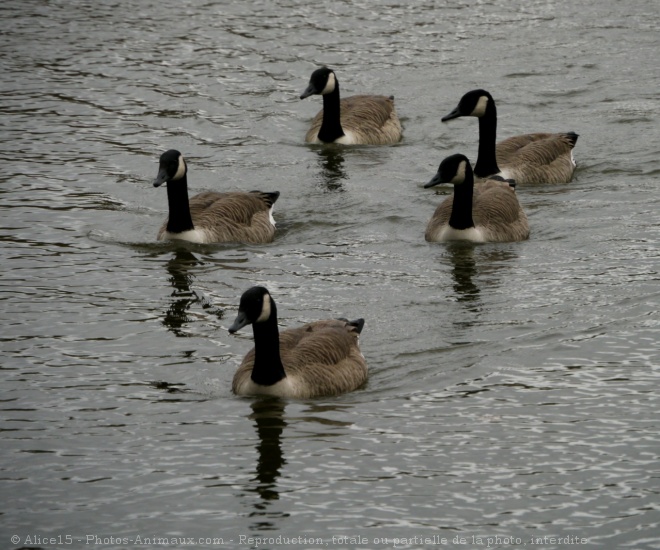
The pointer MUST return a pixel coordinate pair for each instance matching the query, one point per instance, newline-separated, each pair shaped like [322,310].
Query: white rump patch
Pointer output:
[330,85]
[480,109]
[265,310]
[270,216]
[181,170]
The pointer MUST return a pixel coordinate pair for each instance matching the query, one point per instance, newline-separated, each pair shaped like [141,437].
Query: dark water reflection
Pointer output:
[181,278]
[268,417]
[512,386]
[331,161]
[464,272]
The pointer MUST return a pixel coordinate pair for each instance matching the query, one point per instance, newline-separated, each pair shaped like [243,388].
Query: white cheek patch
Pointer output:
[181,170]
[330,85]
[265,310]
[460,173]
[480,109]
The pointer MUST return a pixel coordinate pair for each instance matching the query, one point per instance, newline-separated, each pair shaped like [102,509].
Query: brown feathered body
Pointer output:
[537,158]
[321,358]
[365,119]
[228,217]
[485,211]
[527,158]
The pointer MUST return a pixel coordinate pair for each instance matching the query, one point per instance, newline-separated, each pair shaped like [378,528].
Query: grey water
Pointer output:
[513,390]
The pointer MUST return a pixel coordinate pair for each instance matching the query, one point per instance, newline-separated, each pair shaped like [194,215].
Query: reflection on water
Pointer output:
[470,263]
[464,270]
[180,268]
[268,415]
[331,161]
[183,296]
[270,424]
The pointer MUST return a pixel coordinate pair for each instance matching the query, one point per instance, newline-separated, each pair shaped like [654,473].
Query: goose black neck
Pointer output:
[268,368]
[179,219]
[461,211]
[331,127]
[486,160]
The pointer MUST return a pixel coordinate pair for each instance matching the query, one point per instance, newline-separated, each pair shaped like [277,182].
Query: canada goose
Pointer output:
[317,359]
[488,211]
[212,217]
[527,158]
[358,119]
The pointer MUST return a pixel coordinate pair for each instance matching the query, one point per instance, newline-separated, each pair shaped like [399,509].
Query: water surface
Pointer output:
[512,388]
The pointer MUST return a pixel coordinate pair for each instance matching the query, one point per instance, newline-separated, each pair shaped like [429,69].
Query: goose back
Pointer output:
[229,217]
[496,213]
[365,119]
[212,217]
[321,358]
[538,158]
[528,158]
[358,119]
[316,359]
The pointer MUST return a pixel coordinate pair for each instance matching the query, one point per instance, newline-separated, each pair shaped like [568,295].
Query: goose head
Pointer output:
[256,306]
[473,103]
[322,82]
[171,167]
[454,169]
